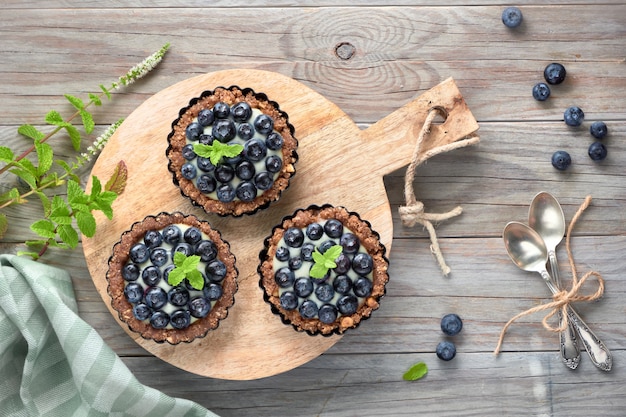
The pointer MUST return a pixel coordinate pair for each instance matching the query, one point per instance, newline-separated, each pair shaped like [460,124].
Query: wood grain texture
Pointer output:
[401,49]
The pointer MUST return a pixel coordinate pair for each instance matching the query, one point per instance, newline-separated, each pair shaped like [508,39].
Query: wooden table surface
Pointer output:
[370,60]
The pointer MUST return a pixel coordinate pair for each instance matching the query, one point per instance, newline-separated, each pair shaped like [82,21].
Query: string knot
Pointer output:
[412,213]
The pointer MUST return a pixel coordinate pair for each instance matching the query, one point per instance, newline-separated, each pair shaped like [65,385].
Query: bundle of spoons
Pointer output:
[532,247]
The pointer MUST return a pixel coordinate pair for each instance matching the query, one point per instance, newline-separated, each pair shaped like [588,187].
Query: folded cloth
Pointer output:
[52,363]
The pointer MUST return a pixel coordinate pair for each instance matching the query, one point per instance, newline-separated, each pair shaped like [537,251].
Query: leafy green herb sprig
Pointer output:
[324,261]
[415,372]
[57,227]
[217,150]
[186,267]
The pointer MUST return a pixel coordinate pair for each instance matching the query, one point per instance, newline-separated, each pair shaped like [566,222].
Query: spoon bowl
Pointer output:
[546,218]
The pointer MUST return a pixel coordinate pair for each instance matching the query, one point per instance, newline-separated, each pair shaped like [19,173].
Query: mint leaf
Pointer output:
[45,157]
[4,225]
[118,179]
[86,223]
[54,118]
[324,261]
[415,372]
[75,101]
[179,258]
[88,122]
[74,135]
[105,91]
[44,228]
[75,194]
[30,131]
[6,154]
[68,235]
[217,150]
[195,279]
[186,267]
[190,263]
[176,276]
[318,271]
[95,99]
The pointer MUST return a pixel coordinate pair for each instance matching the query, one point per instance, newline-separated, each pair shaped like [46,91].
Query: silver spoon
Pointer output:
[546,217]
[528,251]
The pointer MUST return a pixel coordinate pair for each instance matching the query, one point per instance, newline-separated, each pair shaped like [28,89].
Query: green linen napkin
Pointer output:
[52,363]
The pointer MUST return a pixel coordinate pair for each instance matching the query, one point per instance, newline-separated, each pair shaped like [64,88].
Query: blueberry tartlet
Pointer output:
[232,151]
[172,278]
[323,270]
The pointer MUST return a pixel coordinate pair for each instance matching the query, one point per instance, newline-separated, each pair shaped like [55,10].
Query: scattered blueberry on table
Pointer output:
[554,73]
[561,160]
[446,350]
[573,116]
[451,324]
[512,17]
[597,151]
[598,130]
[541,91]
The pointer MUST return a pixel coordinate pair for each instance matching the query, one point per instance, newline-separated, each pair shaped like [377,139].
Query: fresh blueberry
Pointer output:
[541,91]
[180,319]
[171,234]
[554,73]
[153,238]
[215,271]
[512,17]
[362,287]
[561,160]
[139,253]
[206,117]
[224,130]
[130,272]
[573,116]
[597,151]
[178,296]
[224,173]
[141,311]
[282,254]
[192,235]
[206,184]
[314,231]
[451,324]
[343,263]
[306,251]
[333,228]
[193,131]
[263,180]
[327,313]
[273,163]
[133,292]
[362,263]
[598,130]
[245,131]
[324,291]
[199,307]
[205,164]
[245,170]
[188,171]
[188,152]
[156,297]
[221,110]
[184,248]
[255,150]
[274,141]
[212,291]
[446,350]
[246,191]
[289,300]
[167,270]
[151,275]
[327,244]
[225,193]
[159,320]
[241,111]
[295,263]
[159,256]
[342,284]
[350,243]
[347,304]
[294,238]
[308,309]
[206,250]
[206,139]
[284,277]
[303,287]
[263,124]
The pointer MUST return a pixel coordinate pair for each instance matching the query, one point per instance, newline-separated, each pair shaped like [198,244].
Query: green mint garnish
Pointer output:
[415,372]
[324,261]
[186,267]
[216,151]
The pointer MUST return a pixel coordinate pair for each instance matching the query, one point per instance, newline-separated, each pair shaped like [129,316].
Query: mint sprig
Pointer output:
[217,150]
[186,267]
[415,372]
[325,261]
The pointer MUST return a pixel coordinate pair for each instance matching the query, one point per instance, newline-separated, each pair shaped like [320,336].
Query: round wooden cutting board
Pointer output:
[338,164]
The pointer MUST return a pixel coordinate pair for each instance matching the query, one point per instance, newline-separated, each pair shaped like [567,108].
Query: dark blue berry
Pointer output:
[206,184]
[206,250]
[573,116]
[224,130]
[541,91]
[347,304]
[308,309]
[245,131]
[153,238]
[561,160]
[184,248]
[263,180]
[294,238]
[263,124]
[225,193]
[362,263]
[324,292]
[451,324]
[224,173]
[159,256]
[274,141]
[327,244]
[141,311]
[188,171]
[314,231]
[206,139]
[333,228]
[171,234]
[255,150]
[598,130]
[446,350]
[188,152]
[212,291]
[156,297]
[139,253]
[199,307]
[205,164]
[133,292]
[273,163]
[159,319]
[245,170]
[343,263]
[246,191]
[350,243]
[295,263]
[180,319]
[554,73]
[193,131]
[303,287]
[342,284]
[284,277]
[192,235]
[221,110]
[151,276]
[327,313]
[362,287]
[512,17]
[167,270]
[178,296]
[282,254]
[215,271]
[289,300]
[241,111]
[597,151]
[206,117]
[130,272]
[306,251]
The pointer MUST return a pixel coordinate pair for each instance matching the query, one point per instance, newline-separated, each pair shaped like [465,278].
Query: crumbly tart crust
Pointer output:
[116,282]
[232,95]
[369,239]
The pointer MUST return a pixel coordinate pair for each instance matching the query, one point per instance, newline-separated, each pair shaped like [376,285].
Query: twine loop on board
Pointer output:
[562,299]
[413,211]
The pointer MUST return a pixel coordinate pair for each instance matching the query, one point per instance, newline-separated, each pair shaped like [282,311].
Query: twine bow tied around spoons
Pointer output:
[413,211]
